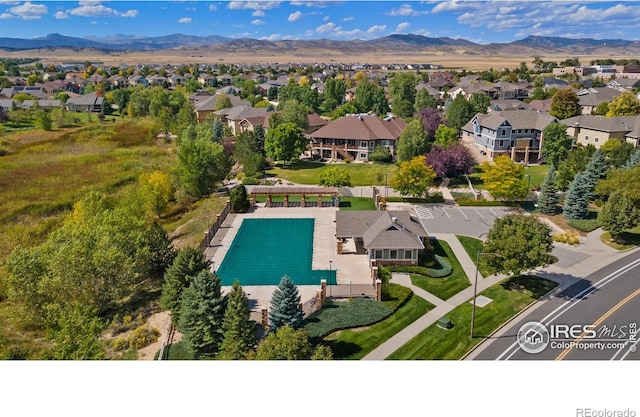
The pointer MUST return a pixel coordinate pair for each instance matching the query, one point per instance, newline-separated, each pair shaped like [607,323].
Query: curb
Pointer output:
[527,307]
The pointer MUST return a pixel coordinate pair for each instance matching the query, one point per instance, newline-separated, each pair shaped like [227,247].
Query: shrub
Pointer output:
[238,198]
[484,203]
[570,238]
[435,198]
[142,336]
[584,225]
[441,268]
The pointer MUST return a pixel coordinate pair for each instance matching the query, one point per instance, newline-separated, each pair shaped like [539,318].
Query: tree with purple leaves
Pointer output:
[450,162]
[431,119]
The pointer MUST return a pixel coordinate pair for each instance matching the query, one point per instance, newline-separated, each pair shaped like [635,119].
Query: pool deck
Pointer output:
[351,269]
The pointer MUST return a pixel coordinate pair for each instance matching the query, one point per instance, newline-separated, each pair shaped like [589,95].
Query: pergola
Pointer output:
[270,191]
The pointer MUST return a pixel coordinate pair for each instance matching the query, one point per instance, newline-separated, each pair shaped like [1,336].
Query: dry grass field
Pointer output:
[463,59]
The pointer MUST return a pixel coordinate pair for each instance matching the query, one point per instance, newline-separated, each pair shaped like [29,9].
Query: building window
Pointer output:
[363,156]
[371,144]
[500,143]
[393,254]
[408,254]
[385,254]
[363,144]
[378,254]
[586,138]
[596,139]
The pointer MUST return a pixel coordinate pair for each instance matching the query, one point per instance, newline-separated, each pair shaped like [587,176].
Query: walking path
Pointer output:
[600,255]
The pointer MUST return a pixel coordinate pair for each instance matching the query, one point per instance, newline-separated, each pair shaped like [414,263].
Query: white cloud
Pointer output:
[6,16]
[293,17]
[213,7]
[406,10]
[258,22]
[377,28]
[184,20]
[94,23]
[9,2]
[61,15]
[308,32]
[403,26]
[327,28]
[347,19]
[29,11]
[326,18]
[273,37]
[315,3]
[258,13]
[253,5]
[95,9]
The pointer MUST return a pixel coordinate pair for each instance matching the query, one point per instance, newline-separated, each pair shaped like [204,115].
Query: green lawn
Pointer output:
[472,246]
[309,172]
[443,288]
[292,198]
[356,343]
[628,240]
[357,203]
[437,343]
[537,173]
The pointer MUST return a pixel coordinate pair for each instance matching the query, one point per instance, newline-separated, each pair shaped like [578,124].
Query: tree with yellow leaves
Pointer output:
[156,191]
[414,177]
[503,178]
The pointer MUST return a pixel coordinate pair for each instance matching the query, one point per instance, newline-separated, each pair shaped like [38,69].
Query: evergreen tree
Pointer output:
[189,262]
[634,160]
[548,197]
[238,339]
[576,203]
[258,138]
[218,130]
[596,170]
[285,309]
[618,214]
[202,310]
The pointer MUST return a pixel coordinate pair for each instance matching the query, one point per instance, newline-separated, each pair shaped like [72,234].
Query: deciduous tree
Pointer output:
[446,136]
[555,143]
[564,104]
[335,177]
[459,112]
[402,89]
[504,179]
[414,177]
[156,191]
[523,242]
[450,162]
[285,142]
[626,104]
[431,119]
[618,214]
[289,344]
[412,141]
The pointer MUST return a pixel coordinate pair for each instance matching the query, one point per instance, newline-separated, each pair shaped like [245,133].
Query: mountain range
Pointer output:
[391,43]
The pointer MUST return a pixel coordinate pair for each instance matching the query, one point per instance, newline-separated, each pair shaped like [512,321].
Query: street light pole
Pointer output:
[475,287]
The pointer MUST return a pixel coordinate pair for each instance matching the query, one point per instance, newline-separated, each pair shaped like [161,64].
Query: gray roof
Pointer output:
[90,99]
[595,96]
[518,119]
[378,229]
[243,112]
[604,124]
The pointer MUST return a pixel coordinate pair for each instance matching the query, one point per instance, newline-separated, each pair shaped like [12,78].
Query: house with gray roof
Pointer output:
[388,237]
[517,134]
[593,130]
[88,103]
[235,115]
[589,98]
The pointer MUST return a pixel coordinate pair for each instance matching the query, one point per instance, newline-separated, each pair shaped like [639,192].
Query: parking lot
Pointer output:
[470,221]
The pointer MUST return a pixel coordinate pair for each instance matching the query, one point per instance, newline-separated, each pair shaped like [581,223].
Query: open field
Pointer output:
[464,59]
[308,173]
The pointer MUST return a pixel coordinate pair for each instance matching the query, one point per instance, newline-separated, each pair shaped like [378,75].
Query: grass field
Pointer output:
[472,245]
[309,172]
[357,203]
[447,287]
[537,173]
[437,343]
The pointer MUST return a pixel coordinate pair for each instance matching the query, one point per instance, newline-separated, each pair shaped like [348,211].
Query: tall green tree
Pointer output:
[459,112]
[295,112]
[576,202]
[412,141]
[188,263]
[238,330]
[285,142]
[480,102]
[523,242]
[202,309]
[290,344]
[618,153]
[622,179]
[634,159]
[575,162]
[77,334]
[548,197]
[334,93]
[504,179]
[626,104]
[564,104]
[556,144]
[414,177]
[370,98]
[618,214]
[202,163]
[446,136]
[402,89]
[424,100]
[596,170]
[285,310]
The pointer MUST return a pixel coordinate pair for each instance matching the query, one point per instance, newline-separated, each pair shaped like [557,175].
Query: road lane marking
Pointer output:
[592,288]
[599,322]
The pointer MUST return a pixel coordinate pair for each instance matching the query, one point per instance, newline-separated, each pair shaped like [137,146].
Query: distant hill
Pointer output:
[531,45]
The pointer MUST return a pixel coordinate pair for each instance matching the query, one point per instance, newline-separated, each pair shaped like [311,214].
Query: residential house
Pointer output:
[117,81]
[591,97]
[137,79]
[508,105]
[225,80]
[207,105]
[353,137]
[89,103]
[235,115]
[35,91]
[597,130]
[154,80]
[624,84]
[176,80]
[517,134]
[207,80]
[387,237]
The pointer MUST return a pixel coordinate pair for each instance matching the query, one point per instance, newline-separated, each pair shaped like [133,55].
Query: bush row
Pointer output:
[441,269]
[585,225]
[484,203]
[436,198]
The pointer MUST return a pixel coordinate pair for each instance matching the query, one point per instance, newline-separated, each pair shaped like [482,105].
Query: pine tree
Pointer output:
[634,160]
[202,310]
[238,339]
[285,306]
[618,214]
[596,170]
[576,203]
[188,263]
[548,197]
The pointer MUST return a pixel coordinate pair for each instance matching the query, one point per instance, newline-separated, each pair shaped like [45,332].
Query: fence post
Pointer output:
[265,320]
[319,299]
[323,288]
[339,246]
[207,239]
[378,290]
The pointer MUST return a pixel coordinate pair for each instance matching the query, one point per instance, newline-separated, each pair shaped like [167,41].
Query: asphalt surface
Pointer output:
[606,301]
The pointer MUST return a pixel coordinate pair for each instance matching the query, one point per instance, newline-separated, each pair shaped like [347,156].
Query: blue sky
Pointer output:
[477,21]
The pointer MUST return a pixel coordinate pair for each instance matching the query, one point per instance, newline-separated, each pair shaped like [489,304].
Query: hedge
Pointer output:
[442,269]
[436,198]
[482,203]
[584,225]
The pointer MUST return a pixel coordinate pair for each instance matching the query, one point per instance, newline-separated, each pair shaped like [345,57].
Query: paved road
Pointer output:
[608,300]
